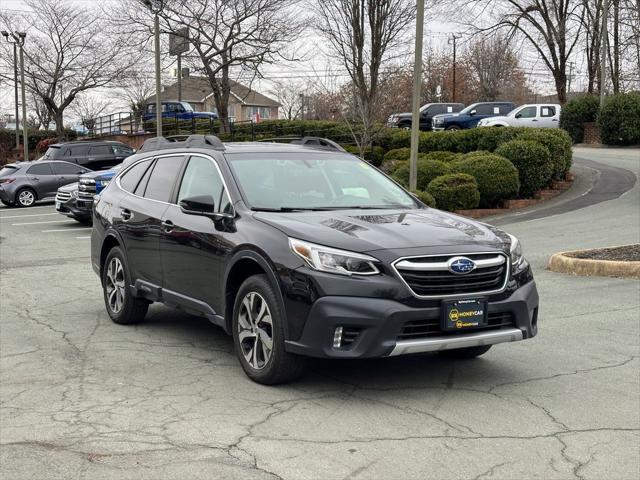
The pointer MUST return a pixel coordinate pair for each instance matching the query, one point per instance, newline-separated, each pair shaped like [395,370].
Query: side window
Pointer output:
[201,177]
[434,110]
[40,169]
[163,177]
[121,150]
[527,112]
[61,168]
[484,110]
[548,111]
[100,150]
[129,179]
[504,109]
[79,151]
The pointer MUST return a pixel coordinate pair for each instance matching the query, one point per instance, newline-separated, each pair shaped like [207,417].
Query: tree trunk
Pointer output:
[561,86]
[58,117]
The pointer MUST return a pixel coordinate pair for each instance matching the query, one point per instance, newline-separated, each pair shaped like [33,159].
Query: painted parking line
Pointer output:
[31,215]
[65,230]
[6,209]
[39,223]
[82,238]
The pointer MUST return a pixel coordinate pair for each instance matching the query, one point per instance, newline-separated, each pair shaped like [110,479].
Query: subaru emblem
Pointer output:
[461,265]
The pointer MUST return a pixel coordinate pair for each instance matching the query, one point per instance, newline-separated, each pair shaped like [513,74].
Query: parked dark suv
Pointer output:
[427,112]
[95,155]
[299,251]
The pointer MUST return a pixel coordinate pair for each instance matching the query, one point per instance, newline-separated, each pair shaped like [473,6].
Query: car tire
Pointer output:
[453,128]
[258,321]
[25,197]
[466,353]
[122,306]
[405,126]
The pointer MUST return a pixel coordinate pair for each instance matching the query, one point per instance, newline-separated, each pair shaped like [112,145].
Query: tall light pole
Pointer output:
[156,7]
[19,37]
[603,52]
[9,38]
[453,40]
[417,84]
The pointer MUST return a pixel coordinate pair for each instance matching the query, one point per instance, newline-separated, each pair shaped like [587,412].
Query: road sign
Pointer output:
[179,42]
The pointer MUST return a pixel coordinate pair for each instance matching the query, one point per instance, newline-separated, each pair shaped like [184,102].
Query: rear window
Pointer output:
[51,152]
[8,170]
[131,177]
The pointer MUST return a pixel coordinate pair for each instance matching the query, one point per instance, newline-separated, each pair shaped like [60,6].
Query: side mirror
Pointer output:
[518,115]
[472,112]
[198,205]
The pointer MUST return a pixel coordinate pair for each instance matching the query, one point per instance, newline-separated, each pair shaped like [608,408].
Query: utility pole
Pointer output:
[417,84]
[452,40]
[571,65]
[604,48]
[9,38]
[156,7]
[25,134]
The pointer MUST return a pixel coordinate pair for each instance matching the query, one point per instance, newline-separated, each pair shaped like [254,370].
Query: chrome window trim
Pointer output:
[451,255]
[188,156]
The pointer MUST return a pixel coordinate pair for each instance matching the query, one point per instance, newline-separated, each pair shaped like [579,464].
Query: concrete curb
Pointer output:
[562,263]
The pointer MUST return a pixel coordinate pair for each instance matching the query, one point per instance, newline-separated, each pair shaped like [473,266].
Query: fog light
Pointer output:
[337,337]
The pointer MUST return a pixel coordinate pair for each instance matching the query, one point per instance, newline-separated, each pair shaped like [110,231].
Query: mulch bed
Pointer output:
[626,253]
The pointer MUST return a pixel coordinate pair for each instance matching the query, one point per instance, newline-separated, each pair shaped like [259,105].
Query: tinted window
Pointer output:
[548,111]
[68,169]
[79,150]
[484,110]
[131,177]
[142,184]
[504,109]
[121,150]
[434,110]
[163,178]
[40,169]
[51,152]
[100,150]
[201,177]
[527,112]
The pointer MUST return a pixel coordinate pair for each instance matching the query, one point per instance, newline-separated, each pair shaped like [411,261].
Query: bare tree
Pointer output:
[550,27]
[65,54]
[494,65]
[88,108]
[289,94]
[136,87]
[363,34]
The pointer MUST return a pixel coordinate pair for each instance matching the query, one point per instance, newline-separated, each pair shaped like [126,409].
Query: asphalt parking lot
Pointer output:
[82,397]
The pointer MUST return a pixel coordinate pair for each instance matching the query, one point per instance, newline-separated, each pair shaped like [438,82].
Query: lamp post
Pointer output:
[19,37]
[156,7]
[9,38]
[415,110]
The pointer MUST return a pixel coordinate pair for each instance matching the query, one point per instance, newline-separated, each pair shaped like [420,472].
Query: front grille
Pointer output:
[418,329]
[63,196]
[431,277]
[87,186]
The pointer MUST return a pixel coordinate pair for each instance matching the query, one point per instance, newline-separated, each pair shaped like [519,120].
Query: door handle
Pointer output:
[126,214]
[35,179]
[168,226]
[534,120]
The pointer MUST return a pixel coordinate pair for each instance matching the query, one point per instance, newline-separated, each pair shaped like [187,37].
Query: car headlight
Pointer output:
[332,260]
[518,262]
[438,121]
[102,183]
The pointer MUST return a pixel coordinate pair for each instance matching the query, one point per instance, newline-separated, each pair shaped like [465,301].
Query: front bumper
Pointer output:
[437,129]
[377,325]
[70,208]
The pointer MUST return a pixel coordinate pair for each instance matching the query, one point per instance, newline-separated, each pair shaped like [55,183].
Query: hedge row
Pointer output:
[8,139]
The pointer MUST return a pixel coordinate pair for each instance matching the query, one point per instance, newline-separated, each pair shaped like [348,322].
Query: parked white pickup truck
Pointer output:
[532,115]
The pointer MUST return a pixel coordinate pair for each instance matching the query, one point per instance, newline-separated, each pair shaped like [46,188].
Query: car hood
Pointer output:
[102,174]
[69,188]
[501,117]
[446,115]
[403,115]
[369,230]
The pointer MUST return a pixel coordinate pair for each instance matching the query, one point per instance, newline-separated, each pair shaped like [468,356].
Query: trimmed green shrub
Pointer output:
[575,113]
[619,119]
[492,137]
[425,198]
[559,144]
[533,161]
[398,154]
[441,156]
[496,176]
[456,191]
[427,171]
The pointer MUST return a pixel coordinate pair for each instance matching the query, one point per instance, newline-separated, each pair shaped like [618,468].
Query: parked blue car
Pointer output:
[76,200]
[176,111]
[470,116]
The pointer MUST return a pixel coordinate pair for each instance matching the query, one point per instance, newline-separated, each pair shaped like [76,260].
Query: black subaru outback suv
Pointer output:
[303,251]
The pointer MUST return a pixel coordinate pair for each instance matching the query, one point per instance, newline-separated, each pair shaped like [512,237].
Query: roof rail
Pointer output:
[312,142]
[186,141]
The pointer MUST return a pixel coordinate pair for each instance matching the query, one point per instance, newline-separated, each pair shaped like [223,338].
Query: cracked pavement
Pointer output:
[83,398]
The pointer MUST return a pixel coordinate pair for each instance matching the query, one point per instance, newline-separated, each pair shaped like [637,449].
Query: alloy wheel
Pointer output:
[255,330]
[26,198]
[115,285]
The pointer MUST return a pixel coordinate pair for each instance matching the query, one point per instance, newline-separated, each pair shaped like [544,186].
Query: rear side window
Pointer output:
[43,168]
[163,177]
[62,168]
[100,150]
[130,179]
[79,151]
[548,111]
[51,152]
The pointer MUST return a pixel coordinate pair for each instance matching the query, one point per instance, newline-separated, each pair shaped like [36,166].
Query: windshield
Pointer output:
[285,181]
[187,107]
[469,108]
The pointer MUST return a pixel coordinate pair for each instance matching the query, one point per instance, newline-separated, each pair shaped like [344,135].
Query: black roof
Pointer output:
[88,142]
